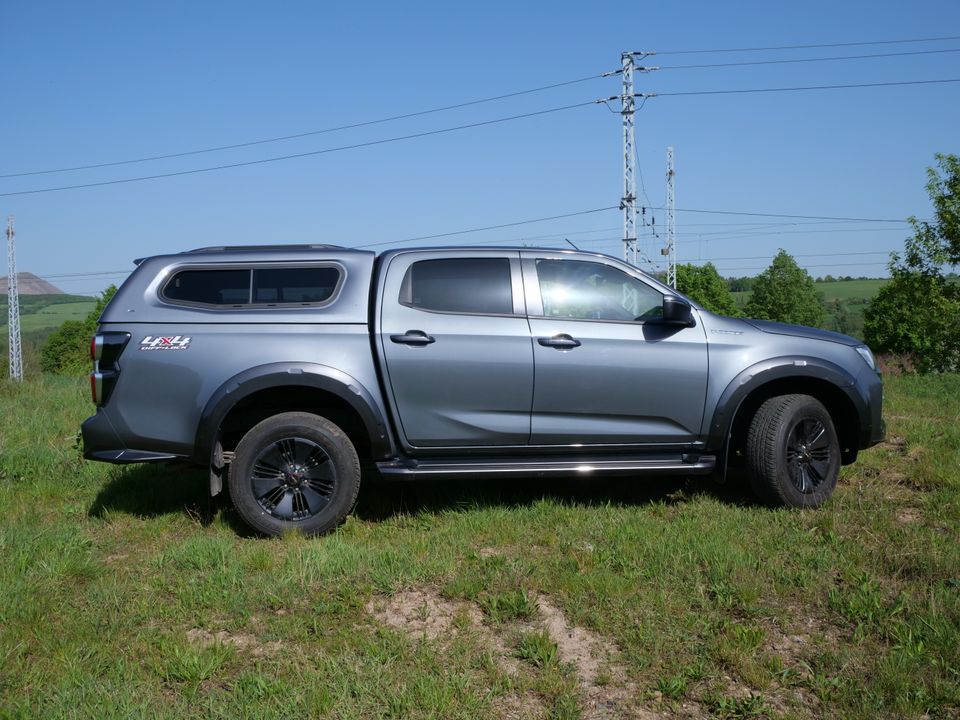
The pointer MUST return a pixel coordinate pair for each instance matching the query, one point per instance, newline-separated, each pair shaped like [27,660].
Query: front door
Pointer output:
[607,372]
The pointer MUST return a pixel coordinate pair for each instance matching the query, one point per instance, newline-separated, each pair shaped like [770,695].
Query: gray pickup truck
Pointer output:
[281,368]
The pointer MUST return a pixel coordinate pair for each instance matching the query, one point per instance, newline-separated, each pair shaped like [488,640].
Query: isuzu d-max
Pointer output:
[280,368]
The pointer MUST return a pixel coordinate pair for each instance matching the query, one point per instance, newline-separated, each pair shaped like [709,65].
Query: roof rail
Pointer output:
[257,248]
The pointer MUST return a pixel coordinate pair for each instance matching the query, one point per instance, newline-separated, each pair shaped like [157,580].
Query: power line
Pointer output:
[308,133]
[107,273]
[807,47]
[92,276]
[325,151]
[740,234]
[805,266]
[781,215]
[817,219]
[813,255]
[805,60]
[517,240]
[489,227]
[751,225]
[493,98]
[750,231]
[761,235]
[440,131]
[806,87]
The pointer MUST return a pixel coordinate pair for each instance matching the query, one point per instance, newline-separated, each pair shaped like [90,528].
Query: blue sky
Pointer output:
[96,82]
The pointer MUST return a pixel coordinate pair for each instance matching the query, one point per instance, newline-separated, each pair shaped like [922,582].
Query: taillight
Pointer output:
[105,350]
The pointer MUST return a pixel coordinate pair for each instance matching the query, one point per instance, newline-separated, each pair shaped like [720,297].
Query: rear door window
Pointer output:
[459,285]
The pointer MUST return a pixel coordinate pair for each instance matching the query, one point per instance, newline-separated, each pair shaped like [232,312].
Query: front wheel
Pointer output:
[793,454]
[294,471]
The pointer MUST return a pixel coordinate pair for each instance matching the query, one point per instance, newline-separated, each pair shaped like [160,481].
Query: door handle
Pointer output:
[413,337]
[559,342]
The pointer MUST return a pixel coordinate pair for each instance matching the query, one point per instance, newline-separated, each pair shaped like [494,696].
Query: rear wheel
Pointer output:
[294,471]
[793,454]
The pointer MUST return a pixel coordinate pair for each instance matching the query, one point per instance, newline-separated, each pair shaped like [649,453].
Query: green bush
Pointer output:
[785,292]
[704,284]
[67,351]
[916,314]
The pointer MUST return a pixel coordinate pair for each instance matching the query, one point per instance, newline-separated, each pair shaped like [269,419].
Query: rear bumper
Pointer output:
[101,442]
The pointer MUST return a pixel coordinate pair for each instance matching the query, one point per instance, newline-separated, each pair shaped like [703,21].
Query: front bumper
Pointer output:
[873,428]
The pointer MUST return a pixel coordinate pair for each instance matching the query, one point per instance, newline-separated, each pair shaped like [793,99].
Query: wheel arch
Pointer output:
[830,384]
[251,396]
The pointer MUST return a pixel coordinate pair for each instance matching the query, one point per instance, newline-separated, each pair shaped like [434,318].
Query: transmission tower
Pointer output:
[13,306]
[628,203]
[671,249]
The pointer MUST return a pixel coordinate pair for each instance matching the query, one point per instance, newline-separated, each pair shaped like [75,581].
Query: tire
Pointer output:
[793,454]
[294,471]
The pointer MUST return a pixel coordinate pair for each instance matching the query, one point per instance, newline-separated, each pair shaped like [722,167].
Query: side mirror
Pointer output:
[677,311]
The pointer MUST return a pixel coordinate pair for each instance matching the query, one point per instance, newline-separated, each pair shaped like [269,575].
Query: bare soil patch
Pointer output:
[243,642]
[422,614]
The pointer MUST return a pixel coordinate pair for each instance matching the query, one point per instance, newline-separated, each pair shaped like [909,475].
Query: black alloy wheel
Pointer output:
[808,455]
[793,452]
[294,471]
[293,479]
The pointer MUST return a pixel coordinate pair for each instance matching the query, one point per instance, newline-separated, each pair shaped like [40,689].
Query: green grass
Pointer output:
[127,593]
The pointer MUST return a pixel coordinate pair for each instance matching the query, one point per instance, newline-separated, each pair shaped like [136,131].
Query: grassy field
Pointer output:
[42,314]
[847,289]
[836,290]
[47,312]
[126,593]
[53,316]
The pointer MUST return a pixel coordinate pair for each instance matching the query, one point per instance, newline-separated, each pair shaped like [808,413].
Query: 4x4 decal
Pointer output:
[170,342]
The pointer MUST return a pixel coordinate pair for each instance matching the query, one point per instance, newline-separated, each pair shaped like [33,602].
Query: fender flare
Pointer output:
[287,374]
[765,371]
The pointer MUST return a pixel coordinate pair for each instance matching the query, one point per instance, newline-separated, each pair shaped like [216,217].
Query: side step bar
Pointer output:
[541,467]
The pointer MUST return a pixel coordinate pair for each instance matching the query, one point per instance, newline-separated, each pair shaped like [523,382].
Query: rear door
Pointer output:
[456,344]
[607,373]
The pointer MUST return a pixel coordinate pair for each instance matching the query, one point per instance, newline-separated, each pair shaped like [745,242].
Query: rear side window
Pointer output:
[294,285]
[254,286]
[209,287]
[459,285]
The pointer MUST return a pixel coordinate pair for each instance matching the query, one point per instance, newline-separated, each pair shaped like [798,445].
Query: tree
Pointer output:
[838,317]
[67,351]
[704,284]
[785,292]
[915,314]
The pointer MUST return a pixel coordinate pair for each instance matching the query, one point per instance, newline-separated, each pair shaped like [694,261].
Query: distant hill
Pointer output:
[30,284]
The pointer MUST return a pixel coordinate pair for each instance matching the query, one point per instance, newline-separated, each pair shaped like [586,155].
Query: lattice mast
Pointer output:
[671,249]
[628,203]
[13,306]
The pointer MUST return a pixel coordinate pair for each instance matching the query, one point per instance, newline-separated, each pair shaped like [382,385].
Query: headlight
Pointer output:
[867,356]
